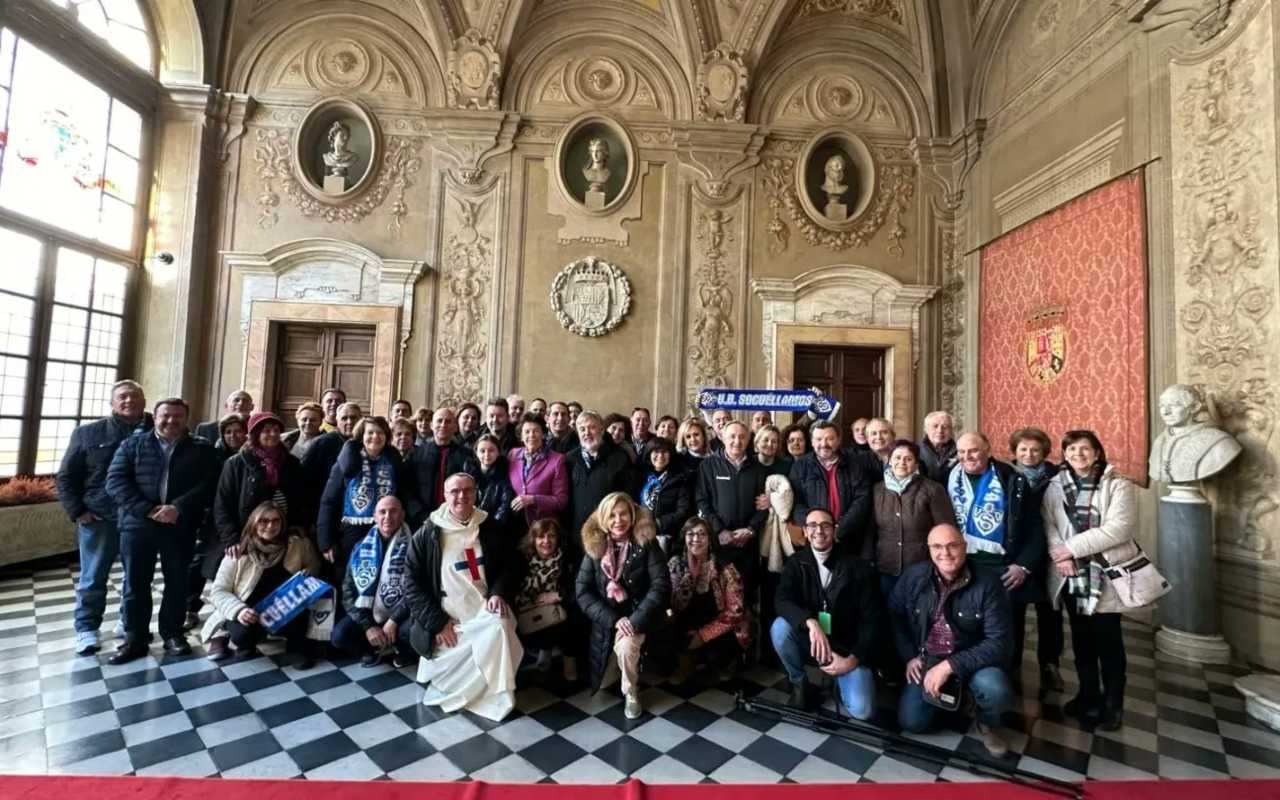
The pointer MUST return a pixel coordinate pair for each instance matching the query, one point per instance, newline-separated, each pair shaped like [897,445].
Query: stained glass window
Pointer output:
[120,22]
[71,150]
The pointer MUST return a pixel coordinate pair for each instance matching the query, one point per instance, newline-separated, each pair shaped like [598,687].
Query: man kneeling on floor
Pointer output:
[829,611]
[459,589]
[373,591]
[952,625]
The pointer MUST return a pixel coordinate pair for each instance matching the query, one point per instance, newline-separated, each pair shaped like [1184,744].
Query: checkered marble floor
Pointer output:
[60,713]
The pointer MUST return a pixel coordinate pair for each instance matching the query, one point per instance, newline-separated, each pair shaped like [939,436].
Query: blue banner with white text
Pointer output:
[292,598]
[795,401]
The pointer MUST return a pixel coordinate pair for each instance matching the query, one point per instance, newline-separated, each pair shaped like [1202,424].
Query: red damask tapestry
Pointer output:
[1063,329]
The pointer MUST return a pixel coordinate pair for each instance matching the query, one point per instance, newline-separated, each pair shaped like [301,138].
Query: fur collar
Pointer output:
[593,536]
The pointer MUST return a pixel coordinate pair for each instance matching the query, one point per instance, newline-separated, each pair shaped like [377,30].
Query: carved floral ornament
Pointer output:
[475,73]
[590,297]
[722,86]
[889,9]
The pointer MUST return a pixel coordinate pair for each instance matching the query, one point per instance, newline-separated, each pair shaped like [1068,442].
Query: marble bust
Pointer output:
[1188,450]
[597,170]
[834,185]
[338,159]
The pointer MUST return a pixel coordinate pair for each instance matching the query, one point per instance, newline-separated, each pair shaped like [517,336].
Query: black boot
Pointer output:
[800,696]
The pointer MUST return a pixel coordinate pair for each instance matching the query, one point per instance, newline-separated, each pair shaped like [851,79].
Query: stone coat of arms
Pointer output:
[1046,344]
[590,296]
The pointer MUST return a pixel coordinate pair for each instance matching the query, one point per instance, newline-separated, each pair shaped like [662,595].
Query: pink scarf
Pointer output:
[271,459]
[615,559]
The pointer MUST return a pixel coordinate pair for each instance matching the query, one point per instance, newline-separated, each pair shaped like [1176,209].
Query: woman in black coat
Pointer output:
[263,470]
[493,488]
[623,588]
[667,492]
[546,580]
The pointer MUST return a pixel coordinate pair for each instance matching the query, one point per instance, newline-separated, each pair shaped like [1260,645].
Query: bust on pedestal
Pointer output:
[1187,452]
[835,187]
[338,159]
[597,173]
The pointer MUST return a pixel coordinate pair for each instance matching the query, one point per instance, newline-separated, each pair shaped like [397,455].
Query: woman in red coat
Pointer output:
[538,474]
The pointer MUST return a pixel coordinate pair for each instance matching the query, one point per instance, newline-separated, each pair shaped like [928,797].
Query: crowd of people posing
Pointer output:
[478,544]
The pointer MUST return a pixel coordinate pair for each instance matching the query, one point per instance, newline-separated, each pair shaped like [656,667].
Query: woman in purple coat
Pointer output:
[538,473]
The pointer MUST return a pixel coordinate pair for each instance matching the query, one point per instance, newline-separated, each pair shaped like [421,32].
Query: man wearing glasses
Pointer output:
[829,612]
[951,624]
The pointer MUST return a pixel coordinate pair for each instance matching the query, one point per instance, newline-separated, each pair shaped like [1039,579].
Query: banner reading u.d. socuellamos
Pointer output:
[293,597]
[796,401]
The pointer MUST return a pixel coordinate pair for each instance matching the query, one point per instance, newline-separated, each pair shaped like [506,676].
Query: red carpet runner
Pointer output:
[41,787]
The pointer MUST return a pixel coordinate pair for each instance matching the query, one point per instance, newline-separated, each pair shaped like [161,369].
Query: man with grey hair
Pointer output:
[82,490]
[515,407]
[598,468]
[938,447]
[238,402]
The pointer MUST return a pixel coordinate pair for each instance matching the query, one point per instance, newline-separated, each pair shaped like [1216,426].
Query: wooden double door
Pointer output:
[852,375]
[312,358]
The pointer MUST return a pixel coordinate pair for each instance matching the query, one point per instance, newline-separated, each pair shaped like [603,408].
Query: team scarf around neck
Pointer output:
[895,484]
[379,581]
[652,488]
[1078,492]
[979,510]
[375,480]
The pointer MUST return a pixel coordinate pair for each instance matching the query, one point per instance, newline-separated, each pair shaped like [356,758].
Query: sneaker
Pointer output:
[192,622]
[370,660]
[217,649]
[991,740]
[87,643]
[632,710]
[402,660]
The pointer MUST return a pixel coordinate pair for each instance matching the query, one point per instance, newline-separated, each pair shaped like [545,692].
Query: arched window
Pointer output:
[72,215]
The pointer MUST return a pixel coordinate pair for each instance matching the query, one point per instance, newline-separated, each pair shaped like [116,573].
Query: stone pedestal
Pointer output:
[836,212]
[1189,626]
[594,200]
[1261,698]
[335,184]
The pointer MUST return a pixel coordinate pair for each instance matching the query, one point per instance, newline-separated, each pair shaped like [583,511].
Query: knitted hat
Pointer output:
[259,417]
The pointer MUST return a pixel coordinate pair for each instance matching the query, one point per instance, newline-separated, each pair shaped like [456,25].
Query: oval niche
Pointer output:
[595,164]
[836,179]
[336,150]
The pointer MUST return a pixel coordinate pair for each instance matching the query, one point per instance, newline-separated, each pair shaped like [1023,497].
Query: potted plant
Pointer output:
[33,523]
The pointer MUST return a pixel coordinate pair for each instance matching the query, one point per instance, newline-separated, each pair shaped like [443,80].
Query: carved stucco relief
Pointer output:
[722,86]
[475,73]
[465,281]
[894,192]
[273,156]
[713,326]
[952,333]
[1225,216]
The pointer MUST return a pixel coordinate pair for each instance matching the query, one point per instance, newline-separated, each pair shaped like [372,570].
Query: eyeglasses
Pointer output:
[698,533]
[814,527]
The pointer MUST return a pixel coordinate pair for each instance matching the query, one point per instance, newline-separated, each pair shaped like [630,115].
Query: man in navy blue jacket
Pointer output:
[163,483]
[82,490]
[834,480]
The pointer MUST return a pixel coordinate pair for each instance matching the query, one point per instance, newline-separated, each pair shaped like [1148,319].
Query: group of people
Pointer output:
[481,543]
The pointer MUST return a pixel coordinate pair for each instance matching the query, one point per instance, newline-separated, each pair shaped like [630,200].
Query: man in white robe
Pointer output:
[460,582]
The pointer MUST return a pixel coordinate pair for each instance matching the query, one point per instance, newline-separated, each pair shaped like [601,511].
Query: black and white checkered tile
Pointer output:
[60,713]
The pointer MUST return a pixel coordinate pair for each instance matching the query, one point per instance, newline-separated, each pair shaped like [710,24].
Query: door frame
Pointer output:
[267,318]
[899,400]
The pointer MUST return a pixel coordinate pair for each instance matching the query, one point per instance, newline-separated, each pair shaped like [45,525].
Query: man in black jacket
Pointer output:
[323,453]
[497,422]
[163,483]
[373,592]
[938,447]
[434,460]
[238,402]
[829,611]
[564,439]
[728,484]
[460,587]
[82,490]
[596,469]
[1002,526]
[951,621]
[835,481]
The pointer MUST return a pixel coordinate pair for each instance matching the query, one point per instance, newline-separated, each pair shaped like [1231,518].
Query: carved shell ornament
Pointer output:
[590,297]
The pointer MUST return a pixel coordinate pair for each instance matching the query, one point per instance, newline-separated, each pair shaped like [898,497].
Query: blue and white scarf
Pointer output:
[895,484]
[379,582]
[376,480]
[652,488]
[979,511]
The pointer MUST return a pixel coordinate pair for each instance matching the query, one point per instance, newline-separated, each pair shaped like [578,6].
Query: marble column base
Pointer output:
[1261,698]
[1193,647]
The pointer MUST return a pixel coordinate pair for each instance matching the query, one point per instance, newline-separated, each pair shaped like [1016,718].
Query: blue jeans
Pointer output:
[992,694]
[857,687]
[139,547]
[349,637]
[99,546]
